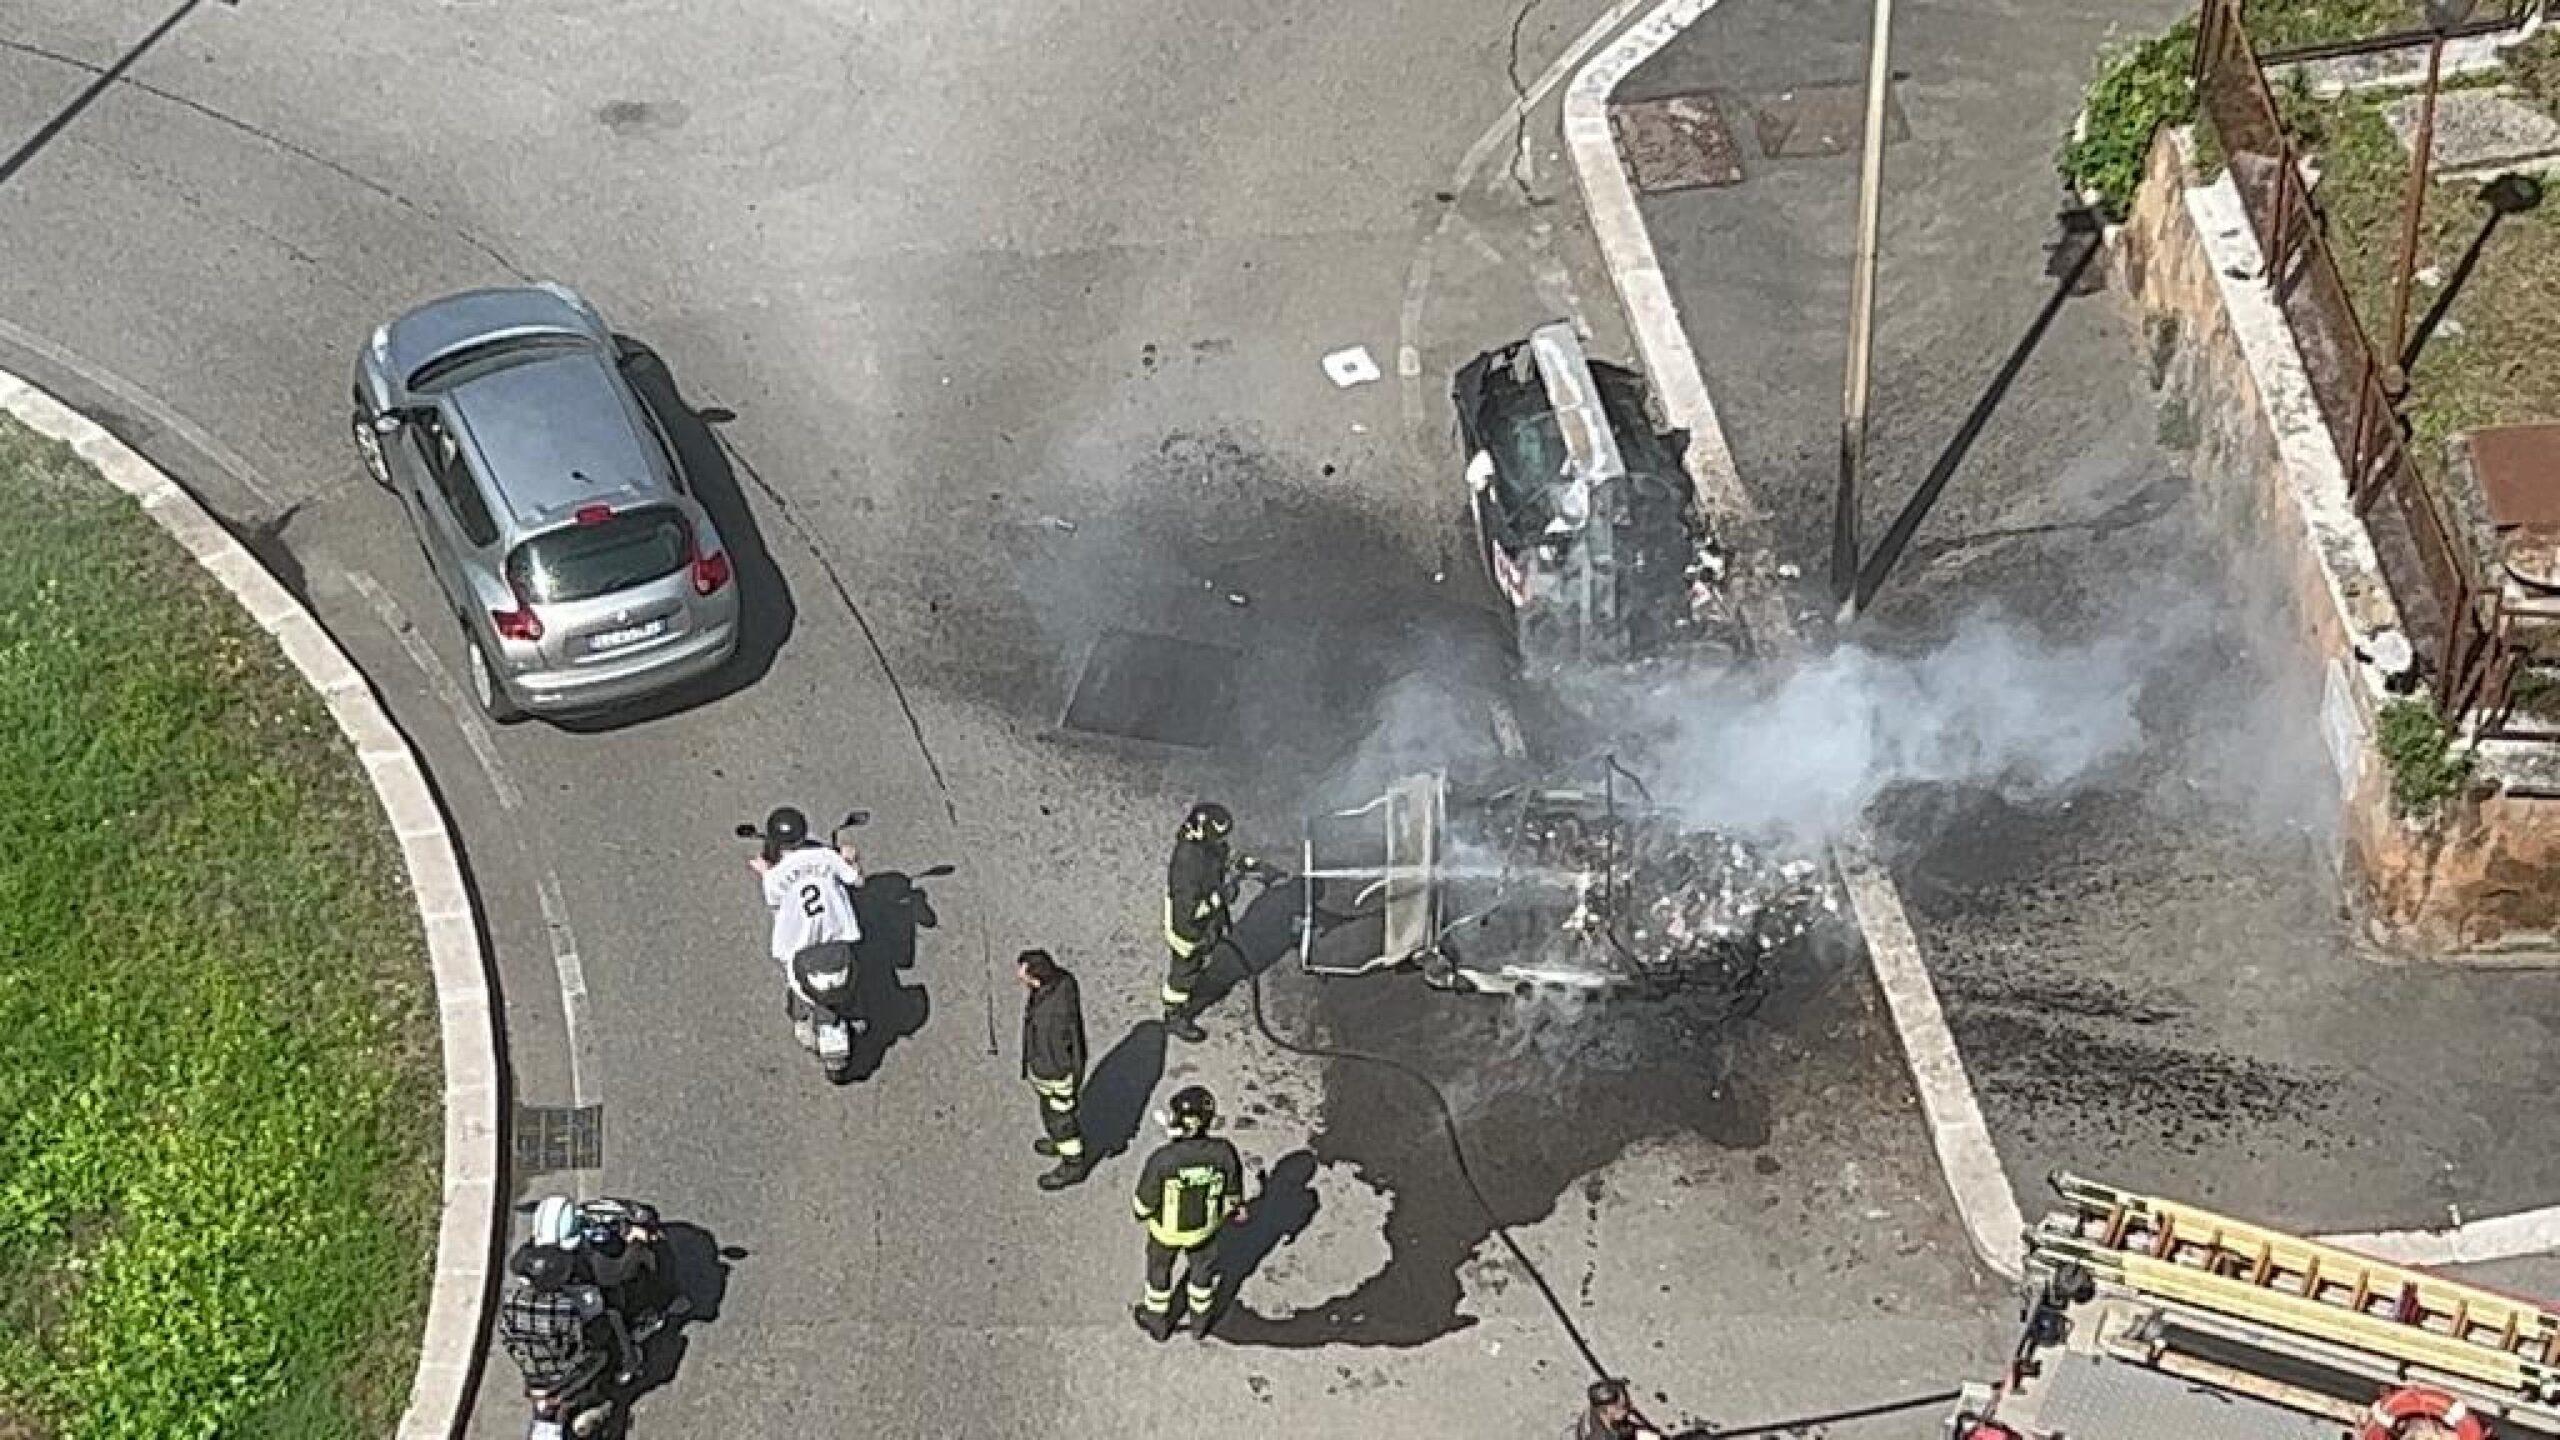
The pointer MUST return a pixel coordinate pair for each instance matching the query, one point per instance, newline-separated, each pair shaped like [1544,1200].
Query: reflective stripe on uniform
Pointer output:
[1170,1234]
[1159,1302]
[1176,997]
[1200,1296]
[1056,1089]
[1172,937]
[1070,1148]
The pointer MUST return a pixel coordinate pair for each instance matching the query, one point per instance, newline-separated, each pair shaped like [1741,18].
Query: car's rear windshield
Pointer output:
[581,562]
[472,361]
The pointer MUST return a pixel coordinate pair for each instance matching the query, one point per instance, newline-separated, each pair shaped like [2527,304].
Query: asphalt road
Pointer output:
[1020,309]
[2144,954]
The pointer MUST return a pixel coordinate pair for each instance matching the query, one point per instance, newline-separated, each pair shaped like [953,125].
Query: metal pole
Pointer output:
[1862,297]
[2421,156]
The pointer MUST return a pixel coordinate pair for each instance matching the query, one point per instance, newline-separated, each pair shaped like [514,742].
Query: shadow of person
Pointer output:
[1277,1216]
[891,908]
[766,611]
[1116,1093]
[692,1278]
[1264,935]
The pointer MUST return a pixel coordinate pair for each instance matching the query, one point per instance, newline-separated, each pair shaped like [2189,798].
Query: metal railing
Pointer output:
[2454,611]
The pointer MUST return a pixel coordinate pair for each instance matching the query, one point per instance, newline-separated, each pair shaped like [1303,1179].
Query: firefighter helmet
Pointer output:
[1193,1109]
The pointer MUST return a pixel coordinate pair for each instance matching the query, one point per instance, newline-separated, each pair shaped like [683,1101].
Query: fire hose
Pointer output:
[1493,1220]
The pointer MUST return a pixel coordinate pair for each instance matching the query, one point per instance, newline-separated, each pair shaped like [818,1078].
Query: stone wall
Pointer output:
[2482,883]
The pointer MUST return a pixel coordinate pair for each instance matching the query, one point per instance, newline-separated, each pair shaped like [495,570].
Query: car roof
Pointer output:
[474,317]
[553,432]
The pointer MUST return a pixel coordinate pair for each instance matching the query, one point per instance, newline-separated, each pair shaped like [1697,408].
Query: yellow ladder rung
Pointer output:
[2183,1252]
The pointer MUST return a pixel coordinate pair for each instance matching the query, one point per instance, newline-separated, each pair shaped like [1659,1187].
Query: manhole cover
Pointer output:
[1676,143]
[1817,120]
[1155,688]
[559,1137]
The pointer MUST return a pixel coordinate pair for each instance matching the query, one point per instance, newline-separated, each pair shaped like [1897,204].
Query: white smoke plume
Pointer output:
[1796,753]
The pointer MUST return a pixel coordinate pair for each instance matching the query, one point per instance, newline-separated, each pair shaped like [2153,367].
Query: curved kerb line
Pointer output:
[1417,285]
[448,1356]
[1985,1200]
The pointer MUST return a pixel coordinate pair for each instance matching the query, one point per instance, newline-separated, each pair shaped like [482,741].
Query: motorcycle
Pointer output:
[615,1243]
[573,1406]
[822,984]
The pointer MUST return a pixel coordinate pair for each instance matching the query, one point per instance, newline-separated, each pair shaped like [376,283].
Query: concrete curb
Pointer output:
[448,1359]
[1967,1158]
[1974,1175]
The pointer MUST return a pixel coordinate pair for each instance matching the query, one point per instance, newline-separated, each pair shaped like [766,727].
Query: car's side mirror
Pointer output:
[1480,472]
[747,831]
[388,423]
[715,415]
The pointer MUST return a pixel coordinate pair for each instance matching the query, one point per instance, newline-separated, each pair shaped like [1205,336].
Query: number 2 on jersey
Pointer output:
[813,901]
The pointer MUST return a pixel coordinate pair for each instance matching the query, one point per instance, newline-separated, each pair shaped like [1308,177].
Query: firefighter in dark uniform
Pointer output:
[1190,1189]
[1612,1415]
[1196,895]
[1053,1061]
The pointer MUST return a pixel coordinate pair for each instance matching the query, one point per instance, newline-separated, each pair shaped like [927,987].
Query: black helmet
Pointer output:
[1208,820]
[545,1267]
[1193,1108]
[784,829]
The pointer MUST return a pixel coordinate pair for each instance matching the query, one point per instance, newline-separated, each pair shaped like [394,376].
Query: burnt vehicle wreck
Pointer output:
[1584,516]
[1574,883]
[1571,882]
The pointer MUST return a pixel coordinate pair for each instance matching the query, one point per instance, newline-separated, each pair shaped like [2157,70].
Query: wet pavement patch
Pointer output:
[1155,688]
[1545,1100]
[637,117]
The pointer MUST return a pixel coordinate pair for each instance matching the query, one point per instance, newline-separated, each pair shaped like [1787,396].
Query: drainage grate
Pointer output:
[559,1137]
[1676,143]
[1819,120]
[1155,688]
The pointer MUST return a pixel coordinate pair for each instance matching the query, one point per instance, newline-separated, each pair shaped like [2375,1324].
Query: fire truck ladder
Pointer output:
[2179,1253]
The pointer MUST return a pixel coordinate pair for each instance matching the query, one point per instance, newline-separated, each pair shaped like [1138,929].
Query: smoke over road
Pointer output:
[1795,754]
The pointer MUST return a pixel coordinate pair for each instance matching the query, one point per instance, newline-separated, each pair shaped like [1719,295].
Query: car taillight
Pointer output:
[710,572]
[520,623]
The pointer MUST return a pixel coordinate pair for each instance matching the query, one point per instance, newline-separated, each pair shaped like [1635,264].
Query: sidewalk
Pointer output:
[2149,971]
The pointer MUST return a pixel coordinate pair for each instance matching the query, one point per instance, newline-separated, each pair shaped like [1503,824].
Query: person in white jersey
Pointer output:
[809,887]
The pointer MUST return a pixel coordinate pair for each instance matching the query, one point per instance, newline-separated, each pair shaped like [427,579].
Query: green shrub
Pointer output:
[2425,770]
[2138,90]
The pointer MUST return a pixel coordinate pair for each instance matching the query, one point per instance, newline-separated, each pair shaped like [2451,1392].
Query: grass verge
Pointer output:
[218,1114]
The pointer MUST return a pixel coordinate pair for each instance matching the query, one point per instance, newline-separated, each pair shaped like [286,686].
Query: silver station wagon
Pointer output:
[550,504]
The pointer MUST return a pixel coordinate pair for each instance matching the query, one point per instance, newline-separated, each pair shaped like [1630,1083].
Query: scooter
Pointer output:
[616,1245]
[616,1241]
[578,1405]
[574,1406]
[821,982]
